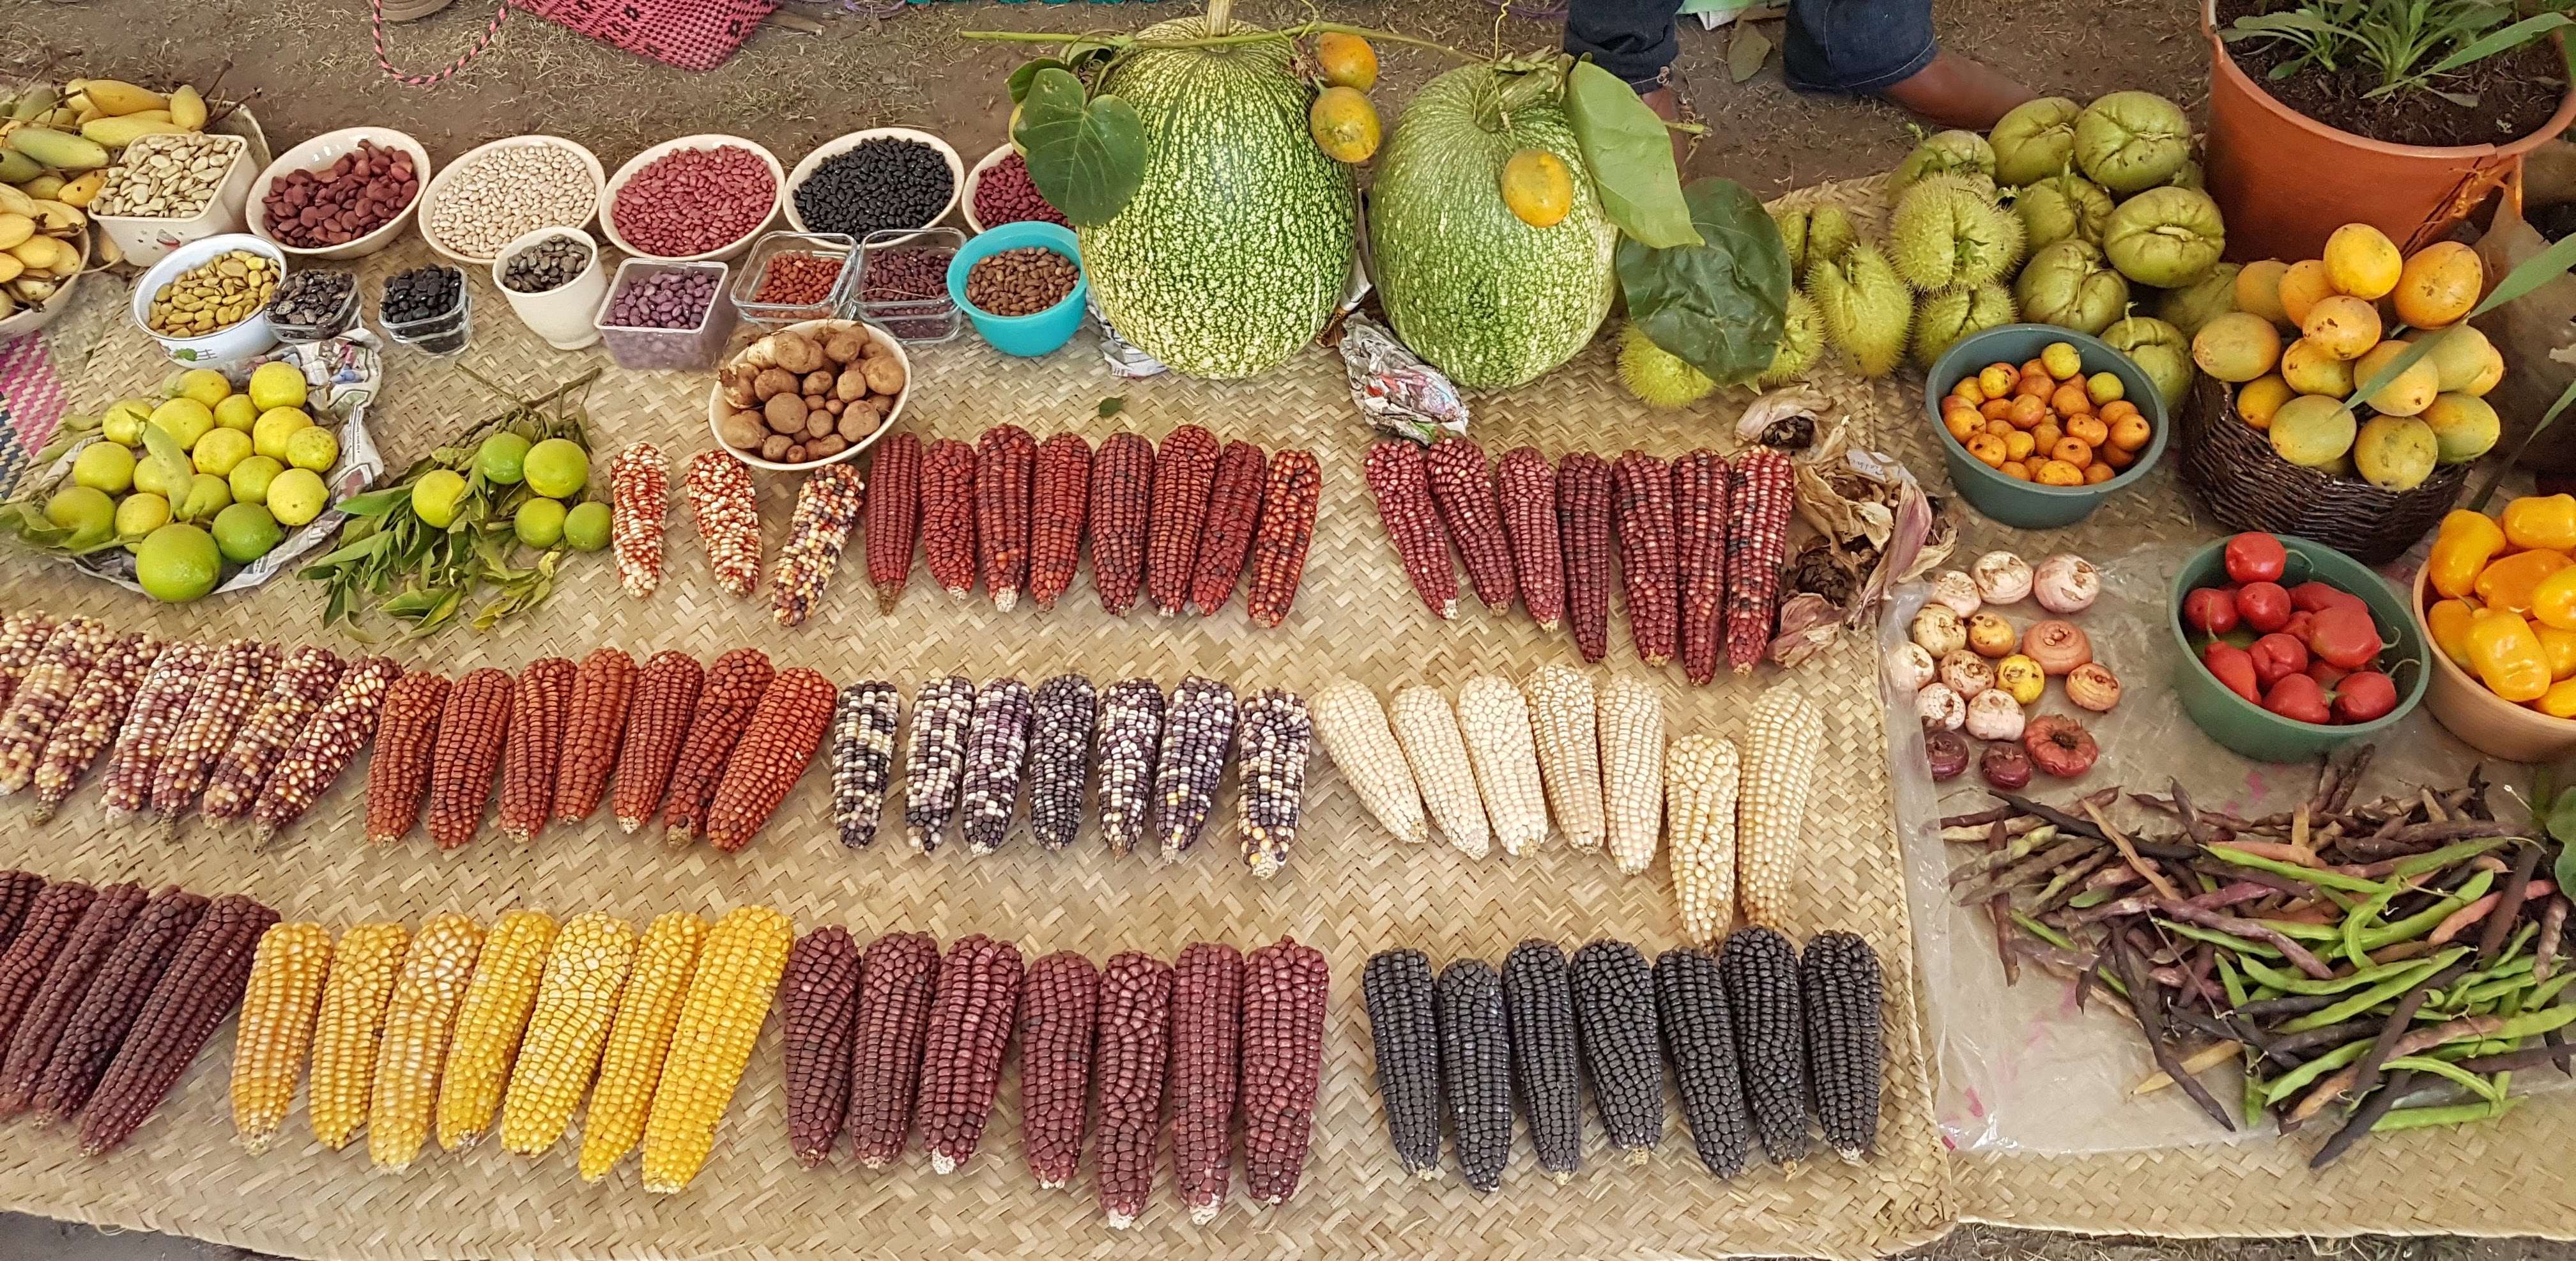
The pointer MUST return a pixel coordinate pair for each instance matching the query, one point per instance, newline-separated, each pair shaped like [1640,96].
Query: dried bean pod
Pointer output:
[1005,467]
[232,685]
[46,692]
[948,514]
[1131,729]
[539,708]
[1284,991]
[1058,1004]
[970,1027]
[295,693]
[893,516]
[1196,730]
[1642,501]
[1462,488]
[1289,499]
[406,744]
[1525,490]
[1538,1002]
[1060,758]
[1225,541]
[66,979]
[1184,476]
[151,726]
[997,758]
[1700,522]
[473,732]
[1476,1068]
[593,726]
[934,758]
[1395,988]
[1058,505]
[107,1009]
[1135,1048]
[96,712]
[820,992]
[1122,491]
[1399,482]
[1273,741]
[1207,1027]
[1614,1006]
[22,636]
[863,731]
[727,514]
[639,495]
[897,976]
[795,715]
[827,507]
[344,724]
[1583,532]
[732,692]
[201,987]
[1762,490]
[657,724]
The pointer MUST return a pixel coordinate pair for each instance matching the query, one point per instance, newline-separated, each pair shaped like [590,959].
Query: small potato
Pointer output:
[772,382]
[796,454]
[846,345]
[885,375]
[875,349]
[826,447]
[743,431]
[853,384]
[819,422]
[785,413]
[856,425]
[797,353]
[818,381]
[775,447]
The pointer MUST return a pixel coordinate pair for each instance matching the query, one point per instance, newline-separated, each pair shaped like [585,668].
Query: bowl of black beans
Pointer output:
[881,179]
[552,278]
[428,309]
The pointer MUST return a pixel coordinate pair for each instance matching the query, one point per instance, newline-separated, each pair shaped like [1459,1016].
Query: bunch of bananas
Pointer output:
[56,144]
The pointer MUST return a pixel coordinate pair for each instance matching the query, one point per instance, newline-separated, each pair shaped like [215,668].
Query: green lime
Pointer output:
[586,527]
[221,451]
[557,468]
[434,496]
[105,466]
[207,495]
[540,523]
[246,532]
[86,511]
[140,514]
[502,459]
[251,477]
[178,563]
[297,496]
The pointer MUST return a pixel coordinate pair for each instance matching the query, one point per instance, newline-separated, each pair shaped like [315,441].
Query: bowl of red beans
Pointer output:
[695,199]
[999,191]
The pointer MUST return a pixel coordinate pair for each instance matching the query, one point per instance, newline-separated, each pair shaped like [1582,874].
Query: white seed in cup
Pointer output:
[506,194]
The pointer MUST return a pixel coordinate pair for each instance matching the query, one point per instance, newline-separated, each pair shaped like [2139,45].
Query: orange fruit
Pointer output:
[2361,261]
[2258,289]
[2019,445]
[2341,326]
[2059,473]
[2116,457]
[2090,429]
[2263,396]
[1988,449]
[2310,370]
[2129,435]
[2015,469]
[2028,410]
[1346,60]
[1538,187]
[2071,400]
[2301,286]
[2096,474]
[2045,434]
[2075,451]
[1344,125]
[2439,285]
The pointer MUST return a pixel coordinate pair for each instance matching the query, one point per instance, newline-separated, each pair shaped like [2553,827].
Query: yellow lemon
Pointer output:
[434,496]
[2258,289]
[86,511]
[251,477]
[236,411]
[2439,285]
[2261,397]
[124,421]
[205,385]
[221,451]
[186,419]
[138,515]
[2310,370]
[105,466]
[312,448]
[269,433]
[276,385]
[207,495]
[296,496]
[2362,262]
[2343,326]
[2301,286]
[1538,187]
[2237,347]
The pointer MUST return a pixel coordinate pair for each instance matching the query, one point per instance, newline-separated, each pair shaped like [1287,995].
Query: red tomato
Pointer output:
[2277,656]
[2234,667]
[2255,557]
[2326,673]
[2297,697]
[2365,694]
[2317,596]
[2345,637]
[2210,610]
[2263,605]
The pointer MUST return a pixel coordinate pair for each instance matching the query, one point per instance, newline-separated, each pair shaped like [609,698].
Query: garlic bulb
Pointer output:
[2066,583]
[2001,577]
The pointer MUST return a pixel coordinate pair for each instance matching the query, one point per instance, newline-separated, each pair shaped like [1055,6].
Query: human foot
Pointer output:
[1956,92]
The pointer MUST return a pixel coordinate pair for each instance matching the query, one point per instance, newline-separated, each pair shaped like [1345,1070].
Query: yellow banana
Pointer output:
[118,132]
[54,217]
[15,229]
[188,108]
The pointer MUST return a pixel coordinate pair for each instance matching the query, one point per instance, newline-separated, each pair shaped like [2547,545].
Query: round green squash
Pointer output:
[1476,292]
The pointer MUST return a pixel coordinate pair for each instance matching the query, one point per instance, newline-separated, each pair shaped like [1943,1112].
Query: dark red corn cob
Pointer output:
[1284,988]
[893,515]
[539,708]
[592,731]
[1056,512]
[1135,1045]
[657,724]
[66,981]
[1184,476]
[820,992]
[1462,487]
[473,732]
[1207,1012]
[107,1009]
[1584,538]
[1642,502]
[734,686]
[1122,493]
[1289,499]
[406,744]
[18,890]
[1234,510]
[897,975]
[47,928]
[1399,482]
[1526,489]
[970,1027]
[1699,527]
[1057,1007]
[1756,543]
[1005,466]
[948,514]
[202,986]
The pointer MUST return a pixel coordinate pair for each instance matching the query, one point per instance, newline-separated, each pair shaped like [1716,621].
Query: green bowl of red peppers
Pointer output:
[2249,729]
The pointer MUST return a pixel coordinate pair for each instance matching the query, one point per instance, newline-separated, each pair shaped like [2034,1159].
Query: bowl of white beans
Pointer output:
[504,190]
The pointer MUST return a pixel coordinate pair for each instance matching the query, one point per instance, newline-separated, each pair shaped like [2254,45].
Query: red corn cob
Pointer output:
[1284,991]
[1289,498]
[657,723]
[896,978]
[893,515]
[97,711]
[344,724]
[473,733]
[1462,487]
[1207,1007]
[795,714]
[1062,494]
[116,995]
[1184,475]
[971,1016]
[406,741]
[1234,508]
[18,890]
[151,724]
[22,636]
[1583,531]
[47,928]
[725,705]
[1057,1006]
[66,980]
[202,986]
[597,719]
[948,514]
[1135,1045]
[1642,500]
[1005,466]
[538,708]
[639,497]
[1526,487]
[1699,523]
[231,687]
[295,694]
[1122,491]
[726,509]
[1401,485]
[820,992]
[1756,543]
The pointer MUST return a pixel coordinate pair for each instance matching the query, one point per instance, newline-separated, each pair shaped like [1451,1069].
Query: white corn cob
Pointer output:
[1496,722]
[1352,728]
[1632,770]
[1428,731]
[1699,797]
[1569,750]
[1782,742]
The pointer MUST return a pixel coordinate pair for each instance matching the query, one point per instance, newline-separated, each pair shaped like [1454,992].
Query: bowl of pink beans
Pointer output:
[999,191]
[694,199]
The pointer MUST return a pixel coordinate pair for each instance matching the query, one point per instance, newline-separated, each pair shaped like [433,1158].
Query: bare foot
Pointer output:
[1956,92]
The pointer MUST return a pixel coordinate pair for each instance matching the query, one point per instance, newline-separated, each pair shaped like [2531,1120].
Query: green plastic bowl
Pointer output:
[2029,505]
[2256,732]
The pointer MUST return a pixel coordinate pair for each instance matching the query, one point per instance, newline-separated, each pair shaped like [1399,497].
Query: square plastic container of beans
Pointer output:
[331,326]
[642,348]
[909,271]
[755,274]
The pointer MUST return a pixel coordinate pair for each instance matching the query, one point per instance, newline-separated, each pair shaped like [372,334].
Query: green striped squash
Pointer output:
[1238,244]
[1477,293]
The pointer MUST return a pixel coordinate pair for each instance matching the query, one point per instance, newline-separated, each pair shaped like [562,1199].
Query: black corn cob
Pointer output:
[1614,1003]
[997,757]
[863,731]
[1840,984]
[1760,968]
[1406,1035]
[1538,999]
[1060,758]
[1699,1038]
[1476,1068]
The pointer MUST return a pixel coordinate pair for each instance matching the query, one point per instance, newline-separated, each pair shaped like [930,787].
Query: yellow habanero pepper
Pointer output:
[2508,656]
[2512,583]
[2449,621]
[2557,645]
[2542,521]
[2554,600]
[2559,701]
[2468,540]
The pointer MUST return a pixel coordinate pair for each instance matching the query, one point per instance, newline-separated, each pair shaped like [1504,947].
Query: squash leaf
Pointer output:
[1028,70]
[1717,305]
[1086,157]
[1630,155]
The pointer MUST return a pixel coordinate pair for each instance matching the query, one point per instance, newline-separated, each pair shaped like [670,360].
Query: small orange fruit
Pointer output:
[1539,187]
[2071,450]
[2116,458]
[2015,469]
[1968,389]
[2028,410]
[2019,445]
[1997,379]
[2301,286]
[2089,429]
[2362,262]
[2343,326]
[2071,400]
[1996,408]
[2059,473]
[2258,289]
[2095,475]
[2439,285]
[2129,435]
[1346,60]
[1988,449]
[2045,434]
[1344,125]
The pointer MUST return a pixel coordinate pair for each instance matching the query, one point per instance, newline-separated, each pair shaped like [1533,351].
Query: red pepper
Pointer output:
[2344,637]
[2301,624]
[2316,596]
[2256,557]
[2326,673]
[2234,667]
[2263,605]
[2277,656]
[2298,698]
[2365,694]
[2210,610]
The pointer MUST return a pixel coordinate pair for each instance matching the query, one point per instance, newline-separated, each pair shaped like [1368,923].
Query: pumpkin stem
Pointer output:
[1220,14]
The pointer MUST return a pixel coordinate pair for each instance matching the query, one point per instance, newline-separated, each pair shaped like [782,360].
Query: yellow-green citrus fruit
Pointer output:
[148,478]
[1658,376]
[1346,60]
[124,421]
[2303,285]
[2104,387]
[2313,430]
[251,477]
[276,385]
[2439,285]
[2061,359]
[236,411]
[2260,398]
[2362,262]
[2258,289]
[221,451]
[207,495]
[297,496]
[312,448]
[205,385]
[586,527]
[269,433]
[246,532]
[2466,361]
[502,459]
[539,523]
[557,468]
[178,563]
[86,511]
[2310,370]
[186,419]
[1538,187]
[2463,426]
[105,466]
[2341,325]
[2395,452]
[2237,347]
[434,496]
[139,515]
[2412,391]
[1344,125]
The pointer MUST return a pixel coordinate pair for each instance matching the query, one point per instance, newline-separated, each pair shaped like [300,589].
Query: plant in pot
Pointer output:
[2403,114]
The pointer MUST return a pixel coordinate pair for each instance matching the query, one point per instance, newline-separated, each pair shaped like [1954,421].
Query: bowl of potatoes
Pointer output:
[810,394]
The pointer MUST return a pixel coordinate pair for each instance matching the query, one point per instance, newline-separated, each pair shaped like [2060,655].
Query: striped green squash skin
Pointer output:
[1237,246]
[1480,295]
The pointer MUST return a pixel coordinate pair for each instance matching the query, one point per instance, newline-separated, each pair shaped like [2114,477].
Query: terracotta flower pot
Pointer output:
[2286,181]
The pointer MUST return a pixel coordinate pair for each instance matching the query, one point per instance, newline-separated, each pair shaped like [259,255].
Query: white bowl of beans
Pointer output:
[675,202]
[323,153]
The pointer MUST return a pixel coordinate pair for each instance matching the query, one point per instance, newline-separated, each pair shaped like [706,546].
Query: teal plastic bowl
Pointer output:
[2029,505]
[1027,336]
[2256,732]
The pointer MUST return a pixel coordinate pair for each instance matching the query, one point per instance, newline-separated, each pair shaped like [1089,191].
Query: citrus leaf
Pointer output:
[1086,157]
[166,452]
[1718,305]
[1112,406]
[1746,52]
[1630,156]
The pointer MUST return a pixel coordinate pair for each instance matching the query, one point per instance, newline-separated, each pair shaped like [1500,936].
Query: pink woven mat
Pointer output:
[32,403]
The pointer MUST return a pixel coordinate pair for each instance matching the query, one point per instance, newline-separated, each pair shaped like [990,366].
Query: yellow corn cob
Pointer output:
[351,1023]
[418,1019]
[1569,750]
[1428,731]
[1632,770]
[1782,742]
[1353,731]
[1699,808]
[575,1003]
[276,1027]
[490,1023]
[631,1065]
[728,1000]
[1496,723]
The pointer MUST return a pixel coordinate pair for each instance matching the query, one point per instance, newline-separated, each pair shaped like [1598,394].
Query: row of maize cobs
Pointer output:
[1506,760]
[1182,522]
[1699,542]
[1756,1038]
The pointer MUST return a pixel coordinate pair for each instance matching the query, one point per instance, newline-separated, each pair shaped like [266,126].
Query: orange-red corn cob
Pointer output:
[795,714]
[657,722]
[725,704]
[1057,506]
[592,728]
[406,741]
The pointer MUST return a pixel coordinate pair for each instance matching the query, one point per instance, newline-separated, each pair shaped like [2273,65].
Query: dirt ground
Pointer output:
[312,68]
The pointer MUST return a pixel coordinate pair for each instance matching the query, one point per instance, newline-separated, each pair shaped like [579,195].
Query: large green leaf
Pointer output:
[1087,157]
[1631,158]
[1718,304]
